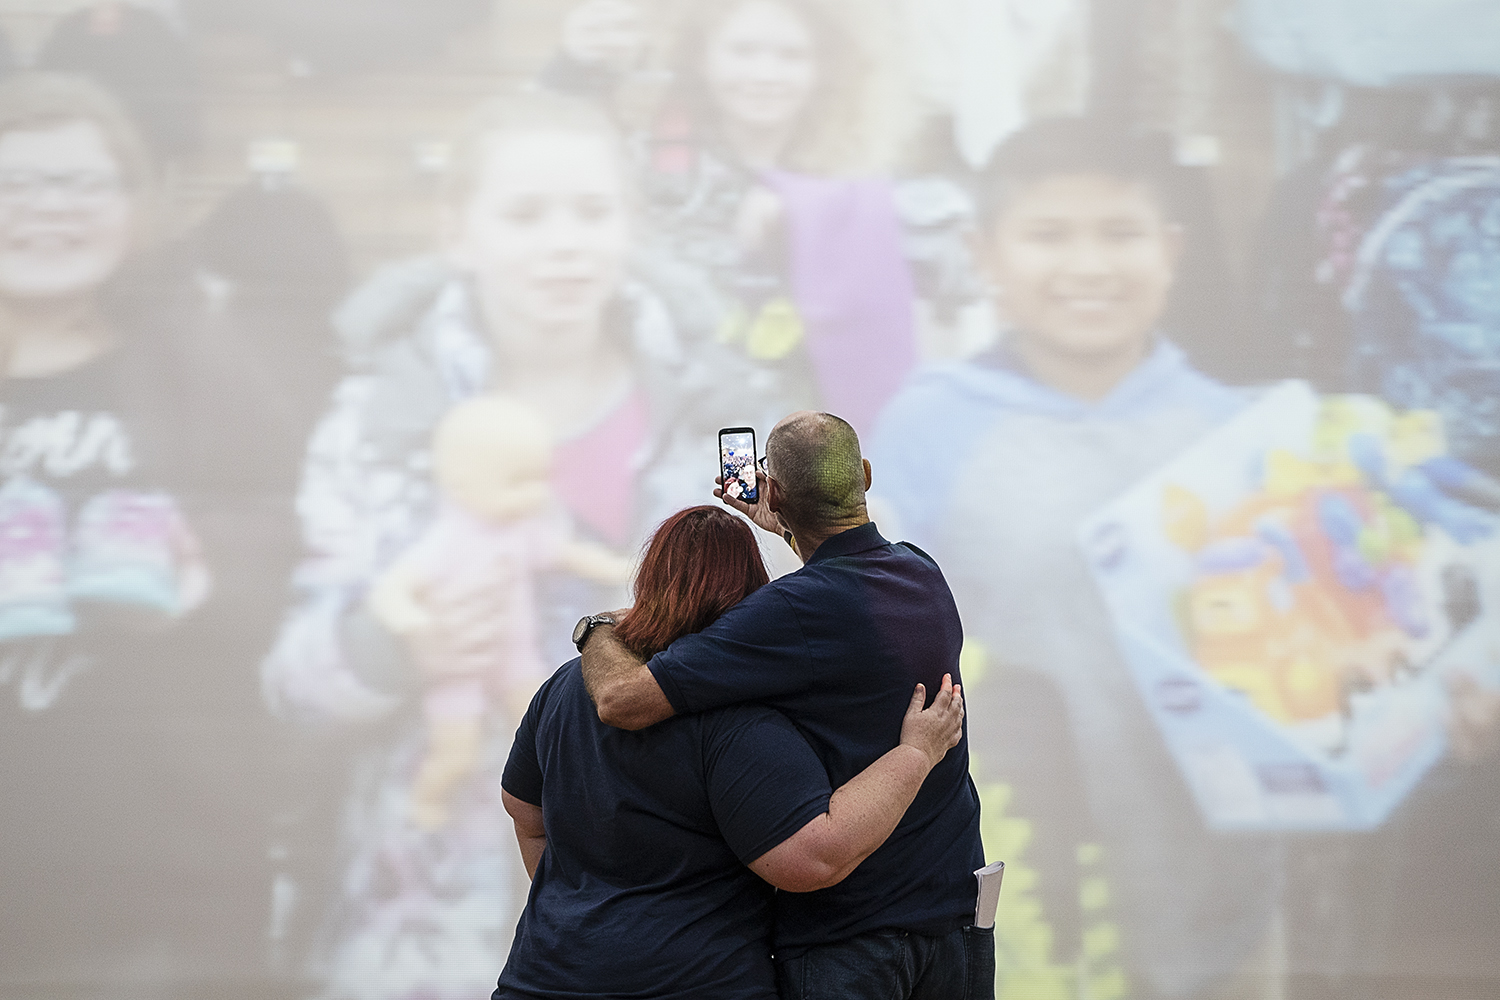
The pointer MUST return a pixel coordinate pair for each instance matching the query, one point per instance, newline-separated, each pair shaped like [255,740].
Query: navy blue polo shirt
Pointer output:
[838,647]
[643,890]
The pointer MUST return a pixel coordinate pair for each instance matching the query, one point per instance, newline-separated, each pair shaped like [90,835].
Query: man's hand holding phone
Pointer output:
[761,512]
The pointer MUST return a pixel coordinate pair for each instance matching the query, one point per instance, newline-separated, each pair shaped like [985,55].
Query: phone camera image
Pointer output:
[737,458]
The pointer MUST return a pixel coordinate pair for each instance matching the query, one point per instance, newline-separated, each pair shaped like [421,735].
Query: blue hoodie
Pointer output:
[991,471]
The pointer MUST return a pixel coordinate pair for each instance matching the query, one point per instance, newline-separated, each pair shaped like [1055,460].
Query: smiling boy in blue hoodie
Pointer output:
[991,463]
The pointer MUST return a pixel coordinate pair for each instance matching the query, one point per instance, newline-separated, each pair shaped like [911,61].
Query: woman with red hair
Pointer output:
[653,854]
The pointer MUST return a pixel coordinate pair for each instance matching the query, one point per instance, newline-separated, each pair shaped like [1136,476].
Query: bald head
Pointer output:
[815,460]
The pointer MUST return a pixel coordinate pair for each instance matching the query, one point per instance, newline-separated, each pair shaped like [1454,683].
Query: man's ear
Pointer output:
[773,495]
[868,477]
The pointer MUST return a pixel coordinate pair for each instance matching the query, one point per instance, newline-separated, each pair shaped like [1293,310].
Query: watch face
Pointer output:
[581,629]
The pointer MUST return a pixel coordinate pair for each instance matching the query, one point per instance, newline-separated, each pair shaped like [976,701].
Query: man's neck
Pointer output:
[808,541]
[1088,378]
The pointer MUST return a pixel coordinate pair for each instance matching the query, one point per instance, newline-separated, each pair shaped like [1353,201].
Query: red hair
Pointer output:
[701,562]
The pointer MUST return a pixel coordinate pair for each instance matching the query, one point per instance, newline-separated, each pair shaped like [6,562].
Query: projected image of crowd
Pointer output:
[350,352]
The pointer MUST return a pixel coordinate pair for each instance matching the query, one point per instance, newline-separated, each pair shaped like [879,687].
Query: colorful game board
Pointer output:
[1295,595]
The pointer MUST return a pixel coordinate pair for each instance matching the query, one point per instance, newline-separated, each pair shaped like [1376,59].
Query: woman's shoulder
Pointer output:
[566,679]
[743,721]
[563,699]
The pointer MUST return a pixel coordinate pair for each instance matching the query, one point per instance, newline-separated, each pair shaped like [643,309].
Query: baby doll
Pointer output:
[497,527]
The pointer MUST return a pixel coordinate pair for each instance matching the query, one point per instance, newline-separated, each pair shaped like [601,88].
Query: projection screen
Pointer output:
[1171,329]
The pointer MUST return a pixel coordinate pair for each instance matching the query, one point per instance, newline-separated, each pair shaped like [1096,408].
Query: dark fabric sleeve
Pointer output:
[755,652]
[375,656]
[566,75]
[764,781]
[523,770]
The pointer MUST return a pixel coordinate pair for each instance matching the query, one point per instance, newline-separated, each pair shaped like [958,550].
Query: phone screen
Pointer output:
[737,458]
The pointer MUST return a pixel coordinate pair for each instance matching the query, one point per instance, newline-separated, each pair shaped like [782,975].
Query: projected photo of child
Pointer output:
[122,606]
[98,563]
[761,166]
[994,463]
[474,489]
[991,464]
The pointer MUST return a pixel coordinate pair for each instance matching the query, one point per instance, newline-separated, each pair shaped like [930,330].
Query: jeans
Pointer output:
[894,965]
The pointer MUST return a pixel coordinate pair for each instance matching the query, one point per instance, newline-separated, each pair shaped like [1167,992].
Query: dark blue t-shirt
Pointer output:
[838,646]
[642,890]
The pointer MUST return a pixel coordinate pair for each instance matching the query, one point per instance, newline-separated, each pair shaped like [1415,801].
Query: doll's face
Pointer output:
[65,217]
[1083,264]
[761,65]
[500,481]
[497,495]
[493,458]
[546,231]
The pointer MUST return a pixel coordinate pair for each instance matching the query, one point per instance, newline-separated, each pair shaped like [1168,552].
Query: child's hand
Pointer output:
[595,562]
[759,219]
[395,599]
[1474,728]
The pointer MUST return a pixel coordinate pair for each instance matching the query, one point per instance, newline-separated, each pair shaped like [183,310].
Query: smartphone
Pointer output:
[737,463]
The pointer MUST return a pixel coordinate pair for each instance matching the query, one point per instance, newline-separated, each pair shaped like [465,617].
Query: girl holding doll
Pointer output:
[447,557]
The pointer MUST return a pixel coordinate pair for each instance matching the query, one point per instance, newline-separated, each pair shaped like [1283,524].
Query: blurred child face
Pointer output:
[761,66]
[65,218]
[545,233]
[1083,264]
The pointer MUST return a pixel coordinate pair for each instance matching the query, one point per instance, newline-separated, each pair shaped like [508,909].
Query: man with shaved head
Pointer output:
[820,475]
[837,646]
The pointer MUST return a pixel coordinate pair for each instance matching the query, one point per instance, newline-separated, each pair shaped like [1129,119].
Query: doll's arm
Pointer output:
[454,711]
[594,562]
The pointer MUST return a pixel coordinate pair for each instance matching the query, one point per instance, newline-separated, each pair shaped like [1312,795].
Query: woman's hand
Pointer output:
[760,218]
[937,729]
[865,809]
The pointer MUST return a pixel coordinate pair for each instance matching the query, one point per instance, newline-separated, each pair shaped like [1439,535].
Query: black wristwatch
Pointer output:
[586,625]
